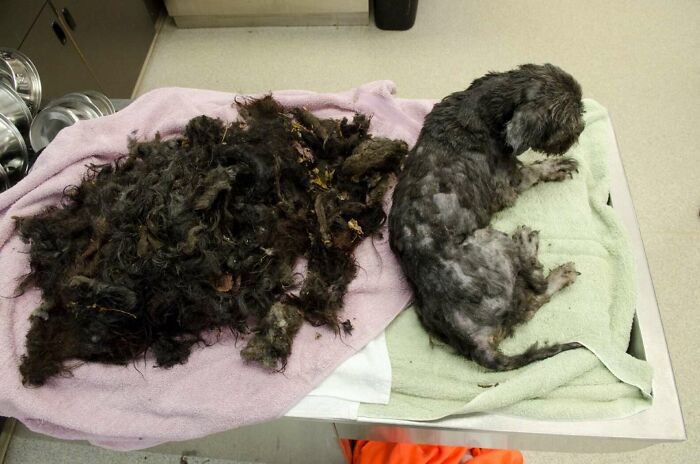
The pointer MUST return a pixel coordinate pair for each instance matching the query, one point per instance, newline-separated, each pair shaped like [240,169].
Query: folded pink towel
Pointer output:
[139,406]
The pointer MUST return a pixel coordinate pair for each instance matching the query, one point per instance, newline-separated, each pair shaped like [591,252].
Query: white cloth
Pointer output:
[363,378]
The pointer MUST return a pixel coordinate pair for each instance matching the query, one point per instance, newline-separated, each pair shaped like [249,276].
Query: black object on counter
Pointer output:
[395,15]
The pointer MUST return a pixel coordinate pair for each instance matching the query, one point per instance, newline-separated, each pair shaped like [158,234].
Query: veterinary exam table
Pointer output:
[662,422]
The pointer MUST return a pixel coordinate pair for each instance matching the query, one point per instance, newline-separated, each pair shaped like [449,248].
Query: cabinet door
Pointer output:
[60,67]
[16,18]
[113,36]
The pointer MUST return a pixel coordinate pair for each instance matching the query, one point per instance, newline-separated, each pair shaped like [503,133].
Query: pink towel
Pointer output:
[139,406]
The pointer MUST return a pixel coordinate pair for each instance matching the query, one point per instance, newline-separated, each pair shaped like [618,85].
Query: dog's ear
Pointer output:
[527,128]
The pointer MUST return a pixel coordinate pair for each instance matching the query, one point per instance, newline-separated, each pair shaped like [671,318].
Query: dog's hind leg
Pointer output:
[533,300]
[560,277]
[485,280]
[478,338]
[547,170]
[484,342]
[532,272]
[528,243]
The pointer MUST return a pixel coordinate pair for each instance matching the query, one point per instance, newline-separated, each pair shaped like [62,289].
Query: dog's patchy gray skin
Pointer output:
[474,284]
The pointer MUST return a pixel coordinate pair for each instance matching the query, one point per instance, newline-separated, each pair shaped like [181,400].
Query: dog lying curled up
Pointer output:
[474,284]
[202,232]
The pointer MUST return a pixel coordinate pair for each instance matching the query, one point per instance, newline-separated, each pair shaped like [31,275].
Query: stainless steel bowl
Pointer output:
[18,71]
[7,75]
[79,103]
[58,115]
[14,157]
[101,101]
[13,108]
[48,123]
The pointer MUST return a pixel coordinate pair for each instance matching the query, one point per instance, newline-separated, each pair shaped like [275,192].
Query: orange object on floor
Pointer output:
[379,452]
[496,456]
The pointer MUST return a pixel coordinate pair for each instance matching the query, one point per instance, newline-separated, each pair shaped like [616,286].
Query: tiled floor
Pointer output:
[638,58]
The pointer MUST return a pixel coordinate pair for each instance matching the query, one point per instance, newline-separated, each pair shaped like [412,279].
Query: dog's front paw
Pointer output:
[557,169]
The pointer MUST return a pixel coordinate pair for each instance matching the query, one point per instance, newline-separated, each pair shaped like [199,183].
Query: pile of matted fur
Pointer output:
[203,232]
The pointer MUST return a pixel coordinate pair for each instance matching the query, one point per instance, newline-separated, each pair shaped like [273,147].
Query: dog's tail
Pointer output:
[490,357]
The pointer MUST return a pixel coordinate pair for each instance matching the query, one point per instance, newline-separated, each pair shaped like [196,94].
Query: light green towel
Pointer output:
[603,381]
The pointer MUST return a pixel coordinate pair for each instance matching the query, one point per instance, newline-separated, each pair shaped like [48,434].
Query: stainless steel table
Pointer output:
[662,422]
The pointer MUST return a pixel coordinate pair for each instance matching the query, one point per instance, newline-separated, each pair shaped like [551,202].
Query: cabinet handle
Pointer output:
[69,18]
[60,35]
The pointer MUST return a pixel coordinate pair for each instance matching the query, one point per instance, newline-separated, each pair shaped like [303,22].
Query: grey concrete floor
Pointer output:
[276,442]
[638,58]
[33,450]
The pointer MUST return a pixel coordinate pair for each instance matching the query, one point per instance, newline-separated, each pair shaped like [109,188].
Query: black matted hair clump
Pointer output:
[202,232]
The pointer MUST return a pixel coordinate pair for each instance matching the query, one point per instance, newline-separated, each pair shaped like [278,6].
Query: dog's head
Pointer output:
[549,117]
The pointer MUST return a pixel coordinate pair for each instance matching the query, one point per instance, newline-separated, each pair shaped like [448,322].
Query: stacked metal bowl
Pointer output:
[20,97]
[64,112]
[22,122]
